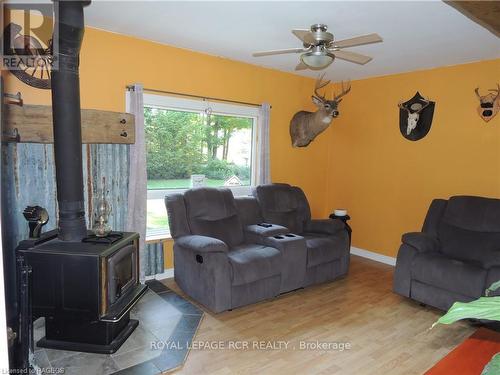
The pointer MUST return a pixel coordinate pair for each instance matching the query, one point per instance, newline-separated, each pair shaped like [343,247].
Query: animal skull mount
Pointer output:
[414,116]
[305,126]
[414,119]
[489,103]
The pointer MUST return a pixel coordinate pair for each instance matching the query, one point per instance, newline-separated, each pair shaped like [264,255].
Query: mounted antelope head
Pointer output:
[305,126]
[489,104]
[413,114]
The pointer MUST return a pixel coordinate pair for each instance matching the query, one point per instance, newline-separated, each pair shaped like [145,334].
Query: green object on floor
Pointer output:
[487,308]
[493,367]
[483,308]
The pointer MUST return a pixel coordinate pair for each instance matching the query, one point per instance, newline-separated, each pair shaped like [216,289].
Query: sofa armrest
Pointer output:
[422,242]
[325,226]
[256,233]
[202,244]
[413,244]
[266,230]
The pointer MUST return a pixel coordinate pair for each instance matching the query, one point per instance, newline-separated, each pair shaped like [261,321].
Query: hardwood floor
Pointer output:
[388,334]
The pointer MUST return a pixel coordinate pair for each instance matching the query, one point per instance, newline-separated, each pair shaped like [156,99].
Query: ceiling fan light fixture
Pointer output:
[320,48]
[317,59]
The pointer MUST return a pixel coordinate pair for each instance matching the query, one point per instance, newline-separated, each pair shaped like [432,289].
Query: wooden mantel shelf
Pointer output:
[33,124]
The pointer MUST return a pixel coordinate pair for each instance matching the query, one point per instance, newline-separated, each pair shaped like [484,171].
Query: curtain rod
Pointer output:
[131,87]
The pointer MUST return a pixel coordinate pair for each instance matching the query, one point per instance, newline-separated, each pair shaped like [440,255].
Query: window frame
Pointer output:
[193,105]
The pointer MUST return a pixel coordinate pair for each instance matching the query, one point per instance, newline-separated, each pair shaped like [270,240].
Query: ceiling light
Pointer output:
[318,58]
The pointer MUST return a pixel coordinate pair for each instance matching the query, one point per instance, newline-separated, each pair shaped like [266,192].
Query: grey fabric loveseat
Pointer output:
[455,257]
[327,241]
[226,257]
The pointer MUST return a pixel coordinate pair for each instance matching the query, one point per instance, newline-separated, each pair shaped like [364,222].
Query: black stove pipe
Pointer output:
[67,119]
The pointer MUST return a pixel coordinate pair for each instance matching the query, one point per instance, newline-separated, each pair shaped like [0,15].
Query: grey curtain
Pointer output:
[151,263]
[154,255]
[264,167]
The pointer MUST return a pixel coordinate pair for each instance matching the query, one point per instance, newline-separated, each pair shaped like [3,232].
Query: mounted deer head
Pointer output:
[413,114]
[305,126]
[489,104]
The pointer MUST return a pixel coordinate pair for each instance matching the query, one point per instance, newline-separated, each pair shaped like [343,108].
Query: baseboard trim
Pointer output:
[373,256]
[167,274]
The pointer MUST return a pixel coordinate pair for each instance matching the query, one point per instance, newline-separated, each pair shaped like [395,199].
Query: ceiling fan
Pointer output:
[320,48]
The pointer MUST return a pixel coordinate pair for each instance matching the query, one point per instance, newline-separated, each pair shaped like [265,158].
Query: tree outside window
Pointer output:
[181,143]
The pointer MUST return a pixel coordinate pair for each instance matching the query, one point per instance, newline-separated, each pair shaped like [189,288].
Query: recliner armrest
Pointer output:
[422,242]
[202,244]
[325,226]
[257,233]
[265,229]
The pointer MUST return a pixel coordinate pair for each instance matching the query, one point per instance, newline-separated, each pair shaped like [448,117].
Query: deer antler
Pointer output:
[345,90]
[477,93]
[400,105]
[497,90]
[319,85]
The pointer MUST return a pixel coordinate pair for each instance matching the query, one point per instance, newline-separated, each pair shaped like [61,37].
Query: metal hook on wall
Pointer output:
[17,98]
[11,136]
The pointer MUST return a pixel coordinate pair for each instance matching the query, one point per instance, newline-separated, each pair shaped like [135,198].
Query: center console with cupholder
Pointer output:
[294,259]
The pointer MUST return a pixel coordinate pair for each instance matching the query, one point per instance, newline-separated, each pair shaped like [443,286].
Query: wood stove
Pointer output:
[84,286]
[85,290]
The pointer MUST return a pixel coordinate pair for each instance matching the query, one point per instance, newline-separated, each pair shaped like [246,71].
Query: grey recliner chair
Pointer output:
[327,241]
[455,257]
[213,261]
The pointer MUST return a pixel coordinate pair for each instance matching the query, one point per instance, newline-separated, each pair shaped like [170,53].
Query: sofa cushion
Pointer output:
[284,205]
[466,244]
[465,278]
[470,227]
[248,210]
[209,203]
[323,248]
[473,213]
[250,263]
[212,213]
[177,219]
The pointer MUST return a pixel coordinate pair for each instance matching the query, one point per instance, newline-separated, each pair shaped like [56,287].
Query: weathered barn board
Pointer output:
[112,162]
[28,178]
[34,125]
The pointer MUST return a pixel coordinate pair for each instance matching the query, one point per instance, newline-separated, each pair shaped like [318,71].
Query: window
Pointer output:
[195,143]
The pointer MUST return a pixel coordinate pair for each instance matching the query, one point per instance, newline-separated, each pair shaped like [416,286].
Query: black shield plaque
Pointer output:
[424,121]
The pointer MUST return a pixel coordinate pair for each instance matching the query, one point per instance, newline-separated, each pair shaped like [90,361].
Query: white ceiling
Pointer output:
[417,35]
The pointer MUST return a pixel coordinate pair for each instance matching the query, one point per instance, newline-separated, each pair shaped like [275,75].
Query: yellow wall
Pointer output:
[111,61]
[388,182]
[361,162]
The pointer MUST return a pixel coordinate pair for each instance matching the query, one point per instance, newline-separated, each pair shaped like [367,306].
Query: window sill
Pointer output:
[157,236]
[162,193]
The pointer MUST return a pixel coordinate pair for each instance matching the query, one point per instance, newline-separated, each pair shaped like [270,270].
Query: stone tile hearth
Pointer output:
[167,325]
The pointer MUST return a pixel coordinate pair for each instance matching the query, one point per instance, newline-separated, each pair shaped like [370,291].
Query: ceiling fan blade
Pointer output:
[352,57]
[278,52]
[357,41]
[301,66]
[304,35]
